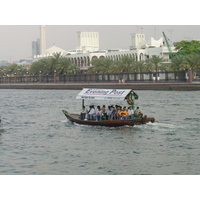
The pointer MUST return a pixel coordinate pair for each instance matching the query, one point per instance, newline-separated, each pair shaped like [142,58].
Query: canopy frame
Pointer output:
[108,95]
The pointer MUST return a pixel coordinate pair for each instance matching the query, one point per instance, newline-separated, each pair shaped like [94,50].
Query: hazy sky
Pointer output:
[15,40]
[112,20]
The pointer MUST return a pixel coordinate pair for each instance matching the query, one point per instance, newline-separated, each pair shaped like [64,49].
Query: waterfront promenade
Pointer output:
[79,86]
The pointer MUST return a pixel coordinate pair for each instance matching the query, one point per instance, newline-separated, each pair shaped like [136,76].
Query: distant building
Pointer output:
[88,49]
[54,49]
[35,48]
[88,41]
[24,62]
[138,40]
[4,63]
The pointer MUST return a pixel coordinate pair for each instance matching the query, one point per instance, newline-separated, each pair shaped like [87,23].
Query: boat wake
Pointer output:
[172,127]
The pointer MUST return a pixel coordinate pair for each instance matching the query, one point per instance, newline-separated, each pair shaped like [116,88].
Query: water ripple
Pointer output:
[36,138]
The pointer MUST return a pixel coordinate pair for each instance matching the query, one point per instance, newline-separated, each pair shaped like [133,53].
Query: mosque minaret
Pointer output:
[42,39]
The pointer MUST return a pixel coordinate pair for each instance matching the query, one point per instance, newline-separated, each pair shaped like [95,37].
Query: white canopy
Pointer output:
[103,94]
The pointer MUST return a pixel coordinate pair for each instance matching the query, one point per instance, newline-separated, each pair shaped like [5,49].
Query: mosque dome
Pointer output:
[54,49]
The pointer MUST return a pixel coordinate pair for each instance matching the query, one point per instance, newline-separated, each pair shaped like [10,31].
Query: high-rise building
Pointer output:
[35,48]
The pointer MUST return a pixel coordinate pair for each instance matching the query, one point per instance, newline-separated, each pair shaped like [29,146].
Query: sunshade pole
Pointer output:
[132,100]
[82,102]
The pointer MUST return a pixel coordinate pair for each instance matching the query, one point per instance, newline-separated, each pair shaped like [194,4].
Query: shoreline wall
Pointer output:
[134,86]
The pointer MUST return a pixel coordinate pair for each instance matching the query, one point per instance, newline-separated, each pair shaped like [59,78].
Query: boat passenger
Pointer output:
[123,114]
[83,112]
[114,113]
[91,113]
[137,112]
[104,110]
[130,112]
[99,113]
[118,111]
[109,112]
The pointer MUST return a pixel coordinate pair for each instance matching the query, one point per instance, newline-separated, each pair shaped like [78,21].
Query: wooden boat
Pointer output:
[109,94]
[111,123]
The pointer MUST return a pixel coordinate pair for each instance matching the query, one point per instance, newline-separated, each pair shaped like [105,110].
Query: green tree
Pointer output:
[12,69]
[90,70]
[50,64]
[73,69]
[156,60]
[63,65]
[188,47]
[42,65]
[193,61]
[140,66]
[178,63]
[148,65]
[54,61]
[101,65]
[126,64]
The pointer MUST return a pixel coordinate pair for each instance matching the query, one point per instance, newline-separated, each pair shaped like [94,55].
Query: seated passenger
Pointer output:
[123,114]
[114,113]
[99,113]
[130,112]
[137,112]
[109,112]
[90,113]
[103,109]
[83,112]
[118,111]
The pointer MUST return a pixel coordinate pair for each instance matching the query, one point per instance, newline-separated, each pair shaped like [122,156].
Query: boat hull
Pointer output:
[110,123]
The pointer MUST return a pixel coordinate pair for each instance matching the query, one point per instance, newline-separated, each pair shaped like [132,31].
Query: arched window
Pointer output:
[88,61]
[82,62]
[94,57]
[78,62]
[136,57]
[141,57]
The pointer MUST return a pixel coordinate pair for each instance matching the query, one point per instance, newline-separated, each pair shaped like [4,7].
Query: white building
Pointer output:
[138,40]
[89,49]
[88,41]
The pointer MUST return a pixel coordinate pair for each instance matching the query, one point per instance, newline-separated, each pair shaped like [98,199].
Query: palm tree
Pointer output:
[91,70]
[193,61]
[139,66]
[42,66]
[156,60]
[73,69]
[54,60]
[126,64]
[177,62]
[148,65]
[63,65]
[100,65]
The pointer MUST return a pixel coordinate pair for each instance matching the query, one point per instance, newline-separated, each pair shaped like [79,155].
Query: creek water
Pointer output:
[36,138]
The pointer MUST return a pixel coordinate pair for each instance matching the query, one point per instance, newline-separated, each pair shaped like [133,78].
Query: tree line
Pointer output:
[187,57]
[55,63]
[45,66]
